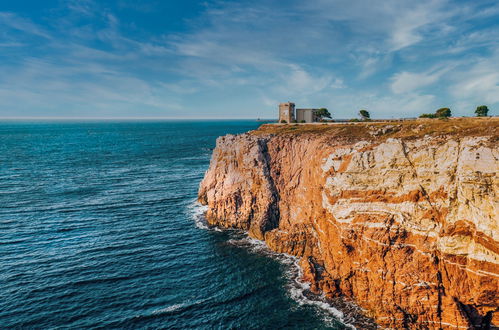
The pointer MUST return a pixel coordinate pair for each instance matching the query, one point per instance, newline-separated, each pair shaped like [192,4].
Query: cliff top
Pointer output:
[408,129]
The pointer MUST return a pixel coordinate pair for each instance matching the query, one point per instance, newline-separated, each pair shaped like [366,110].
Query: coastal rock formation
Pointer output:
[400,218]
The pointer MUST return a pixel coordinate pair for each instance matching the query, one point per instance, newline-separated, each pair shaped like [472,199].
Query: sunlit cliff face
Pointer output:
[403,223]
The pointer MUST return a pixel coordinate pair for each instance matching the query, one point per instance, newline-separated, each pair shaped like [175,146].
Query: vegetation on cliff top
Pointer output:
[408,129]
[322,113]
[482,111]
[440,113]
[364,114]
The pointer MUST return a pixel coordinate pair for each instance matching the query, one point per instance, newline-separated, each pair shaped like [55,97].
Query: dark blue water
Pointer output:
[99,229]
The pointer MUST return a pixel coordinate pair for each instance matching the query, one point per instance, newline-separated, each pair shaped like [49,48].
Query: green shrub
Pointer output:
[302,121]
[354,120]
[283,122]
[440,113]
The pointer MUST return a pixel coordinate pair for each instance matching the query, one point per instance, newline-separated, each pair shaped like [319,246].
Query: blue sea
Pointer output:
[100,228]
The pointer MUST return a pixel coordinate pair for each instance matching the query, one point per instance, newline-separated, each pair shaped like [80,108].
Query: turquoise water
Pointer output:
[99,228]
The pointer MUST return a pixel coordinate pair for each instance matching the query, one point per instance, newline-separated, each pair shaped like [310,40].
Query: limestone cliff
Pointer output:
[402,217]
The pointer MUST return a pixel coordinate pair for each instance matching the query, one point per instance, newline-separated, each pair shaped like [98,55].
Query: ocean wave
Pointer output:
[175,308]
[253,245]
[169,309]
[196,210]
[300,292]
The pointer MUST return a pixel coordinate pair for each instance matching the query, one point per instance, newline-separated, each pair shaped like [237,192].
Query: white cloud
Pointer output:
[299,81]
[347,105]
[484,86]
[13,21]
[478,84]
[404,82]
[338,84]
[407,25]
[82,7]
[409,106]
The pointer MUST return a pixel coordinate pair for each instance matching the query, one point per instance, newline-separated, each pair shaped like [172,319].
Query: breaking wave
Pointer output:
[297,289]
[197,211]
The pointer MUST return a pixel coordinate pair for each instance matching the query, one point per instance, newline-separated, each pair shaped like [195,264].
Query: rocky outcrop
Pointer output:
[402,219]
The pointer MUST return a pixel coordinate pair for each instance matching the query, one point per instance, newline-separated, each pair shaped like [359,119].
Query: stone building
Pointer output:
[287,114]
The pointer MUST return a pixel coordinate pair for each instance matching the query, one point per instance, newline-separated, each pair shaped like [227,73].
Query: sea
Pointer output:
[100,228]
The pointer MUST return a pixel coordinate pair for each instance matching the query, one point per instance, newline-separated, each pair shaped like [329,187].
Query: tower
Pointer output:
[287,112]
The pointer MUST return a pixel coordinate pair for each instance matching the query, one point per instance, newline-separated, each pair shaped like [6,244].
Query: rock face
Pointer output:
[402,221]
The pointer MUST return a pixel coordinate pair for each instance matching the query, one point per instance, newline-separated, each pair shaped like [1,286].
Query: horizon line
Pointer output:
[135,118]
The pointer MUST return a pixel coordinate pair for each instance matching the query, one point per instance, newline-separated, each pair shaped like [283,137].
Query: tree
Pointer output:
[482,111]
[364,114]
[322,113]
[443,113]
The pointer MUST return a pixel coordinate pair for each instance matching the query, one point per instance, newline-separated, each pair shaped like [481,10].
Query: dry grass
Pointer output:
[409,129]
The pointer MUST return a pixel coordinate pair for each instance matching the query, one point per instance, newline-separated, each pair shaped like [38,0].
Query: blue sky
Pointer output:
[239,59]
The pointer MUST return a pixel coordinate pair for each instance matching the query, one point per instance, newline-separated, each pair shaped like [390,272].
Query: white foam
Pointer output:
[295,286]
[168,309]
[197,211]
[175,307]
[251,244]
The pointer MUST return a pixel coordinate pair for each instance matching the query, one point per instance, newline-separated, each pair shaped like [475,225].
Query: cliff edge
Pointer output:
[401,217]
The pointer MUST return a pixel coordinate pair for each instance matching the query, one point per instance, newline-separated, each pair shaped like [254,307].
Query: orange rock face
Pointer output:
[407,228]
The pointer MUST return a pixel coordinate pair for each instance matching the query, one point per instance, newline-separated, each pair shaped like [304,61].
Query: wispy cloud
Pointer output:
[400,56]
[404,82]
[16,22]
[413,23]
[479,83]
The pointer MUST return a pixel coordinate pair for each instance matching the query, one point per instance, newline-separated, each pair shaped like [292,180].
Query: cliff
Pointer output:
[402,218]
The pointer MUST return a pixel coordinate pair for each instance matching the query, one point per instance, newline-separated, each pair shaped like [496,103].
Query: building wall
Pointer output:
[308,115]
[287,112]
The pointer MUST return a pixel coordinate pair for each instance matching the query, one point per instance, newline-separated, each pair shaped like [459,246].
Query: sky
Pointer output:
[239,59]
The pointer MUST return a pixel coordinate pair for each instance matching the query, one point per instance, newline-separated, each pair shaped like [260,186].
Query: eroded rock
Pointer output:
[407,228]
